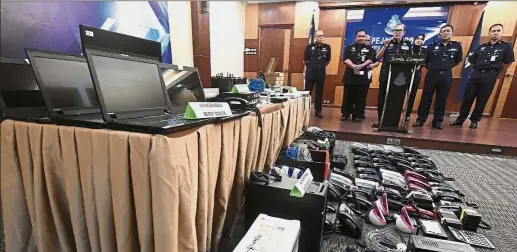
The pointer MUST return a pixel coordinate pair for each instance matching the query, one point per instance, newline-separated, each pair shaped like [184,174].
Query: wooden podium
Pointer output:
[400,80]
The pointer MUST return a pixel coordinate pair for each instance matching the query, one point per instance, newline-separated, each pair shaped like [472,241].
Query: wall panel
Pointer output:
[465,18]
[375,77]
[180,23]
[297,80]
[227,32]
[372,98]
[251,61]
[329,88]
[332,22]
[276,13]
[299,45]
[252,17]
[491,102]
[204,68]
[250,75]
[418,97]
[303,17]
[201,42]
[335,45]
[509,110]
[338,95]
[452,105]
[500,12]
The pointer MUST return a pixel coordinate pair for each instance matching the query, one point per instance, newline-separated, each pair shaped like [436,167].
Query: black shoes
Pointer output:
[457,123]
[355,119]
[437,126]
[319,115]
[418,124]
[473,125]
[344,117]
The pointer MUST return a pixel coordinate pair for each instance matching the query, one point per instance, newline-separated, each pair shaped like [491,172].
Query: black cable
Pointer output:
[259,114]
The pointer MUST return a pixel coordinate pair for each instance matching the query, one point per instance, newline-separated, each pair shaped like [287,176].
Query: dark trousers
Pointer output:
[354,100]
[438,82]
[413,91]
[479,88]
[309,85]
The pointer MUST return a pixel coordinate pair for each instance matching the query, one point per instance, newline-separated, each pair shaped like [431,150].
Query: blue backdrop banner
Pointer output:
[379,22]
[54,26]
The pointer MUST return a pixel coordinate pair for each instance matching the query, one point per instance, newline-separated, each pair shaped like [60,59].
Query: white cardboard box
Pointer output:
[270,234]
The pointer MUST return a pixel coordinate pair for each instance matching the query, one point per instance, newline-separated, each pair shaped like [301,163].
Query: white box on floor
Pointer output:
[270,234]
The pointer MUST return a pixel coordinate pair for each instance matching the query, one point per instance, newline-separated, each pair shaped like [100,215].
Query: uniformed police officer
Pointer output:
[441,57]
[356,79]
[418,49]
[316,58]
[395,45]
[488,60]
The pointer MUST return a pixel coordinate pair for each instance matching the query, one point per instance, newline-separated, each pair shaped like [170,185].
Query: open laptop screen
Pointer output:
[66,83]
[183,86]
[128,85]
[18,86]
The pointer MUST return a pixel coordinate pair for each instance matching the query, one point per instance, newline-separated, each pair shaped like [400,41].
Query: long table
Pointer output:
[78,189]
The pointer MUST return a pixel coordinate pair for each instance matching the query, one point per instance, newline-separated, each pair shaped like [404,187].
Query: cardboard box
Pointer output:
[271,65]
[275,74]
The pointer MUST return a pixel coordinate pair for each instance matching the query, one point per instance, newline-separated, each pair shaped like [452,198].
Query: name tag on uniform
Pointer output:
[324,49]
[492,58]
[404,47]
[365,50]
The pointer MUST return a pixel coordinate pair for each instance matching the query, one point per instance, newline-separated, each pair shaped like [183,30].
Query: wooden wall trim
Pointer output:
[276,13]
[201,43]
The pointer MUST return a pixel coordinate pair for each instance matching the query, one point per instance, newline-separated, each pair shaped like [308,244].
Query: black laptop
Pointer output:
[67,88]
[20,98]
[132,94]
[184,86]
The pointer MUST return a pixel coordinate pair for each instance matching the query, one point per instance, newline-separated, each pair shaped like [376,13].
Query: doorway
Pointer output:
[275,42]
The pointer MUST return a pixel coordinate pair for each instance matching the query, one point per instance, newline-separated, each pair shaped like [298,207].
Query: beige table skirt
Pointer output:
[78,189]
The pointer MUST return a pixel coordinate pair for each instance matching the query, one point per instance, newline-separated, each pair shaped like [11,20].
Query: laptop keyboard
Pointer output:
[156,119]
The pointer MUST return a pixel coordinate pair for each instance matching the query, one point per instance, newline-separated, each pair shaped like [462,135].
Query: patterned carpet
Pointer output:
[489,181]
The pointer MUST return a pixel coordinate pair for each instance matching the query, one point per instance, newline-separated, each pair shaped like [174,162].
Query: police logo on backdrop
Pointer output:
[390,26]
[400,80]
[380,23]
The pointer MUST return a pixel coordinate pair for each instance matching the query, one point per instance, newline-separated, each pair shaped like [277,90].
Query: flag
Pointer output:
[467,67]
[312,30]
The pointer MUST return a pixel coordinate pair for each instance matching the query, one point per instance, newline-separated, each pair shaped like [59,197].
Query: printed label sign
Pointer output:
[199,110]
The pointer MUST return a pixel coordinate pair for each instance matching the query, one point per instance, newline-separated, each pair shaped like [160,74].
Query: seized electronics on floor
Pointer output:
[392,199]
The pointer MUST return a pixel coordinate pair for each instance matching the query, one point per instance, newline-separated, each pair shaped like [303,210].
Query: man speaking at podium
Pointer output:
[395,45]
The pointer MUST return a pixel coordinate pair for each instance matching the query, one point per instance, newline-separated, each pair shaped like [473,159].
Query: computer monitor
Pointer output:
[64,80]
[18,88]
[183,86]
[117,42]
